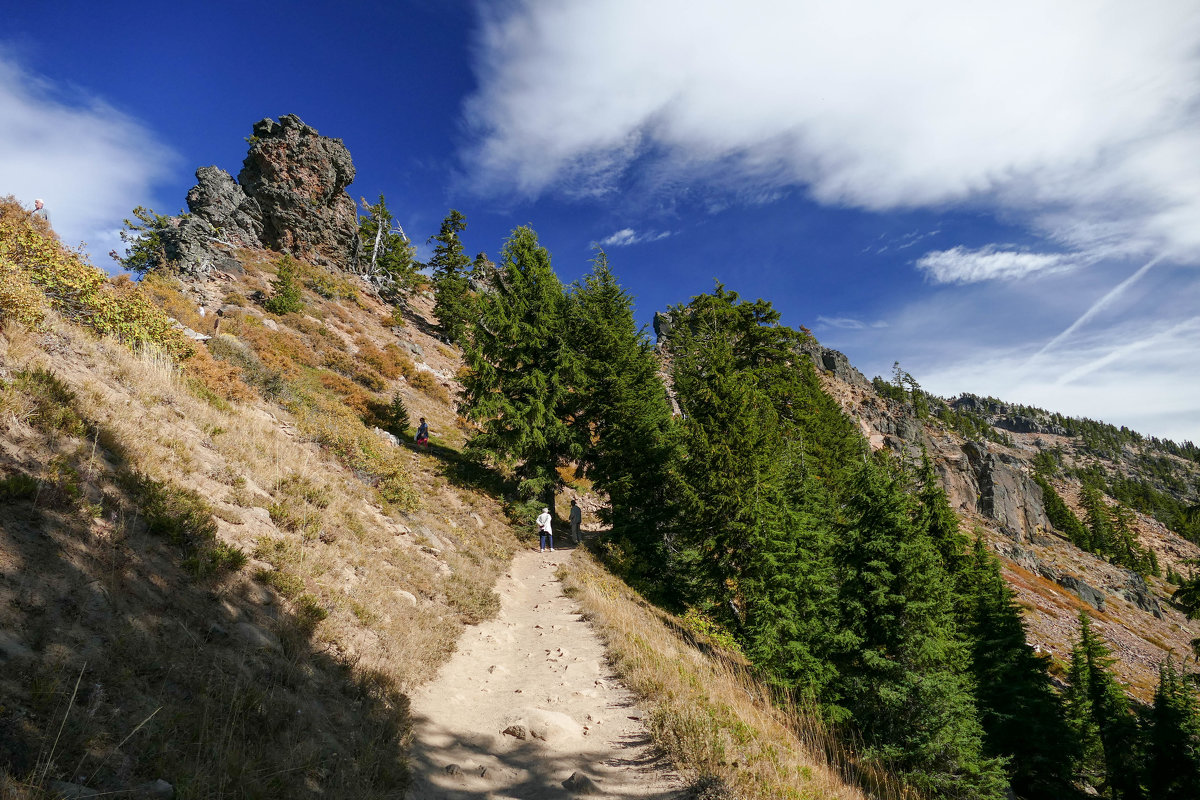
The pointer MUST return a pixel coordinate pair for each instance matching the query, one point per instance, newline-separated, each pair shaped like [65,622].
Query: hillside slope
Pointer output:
[988,455]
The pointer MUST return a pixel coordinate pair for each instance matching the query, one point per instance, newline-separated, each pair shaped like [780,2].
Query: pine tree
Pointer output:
[1173,760]
[754,507]
[902,667]
[937,519]
[522,377]
[623,425]
[1062,517]
[1096,517]
[286,293]
[387,251]
[1098,711]
[452,291]
[1022,716]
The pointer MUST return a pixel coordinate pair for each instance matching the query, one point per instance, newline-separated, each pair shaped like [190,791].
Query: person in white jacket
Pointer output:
[547,535]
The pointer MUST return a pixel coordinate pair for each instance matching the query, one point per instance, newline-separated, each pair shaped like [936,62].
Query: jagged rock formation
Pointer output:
[290,196]
[298,179]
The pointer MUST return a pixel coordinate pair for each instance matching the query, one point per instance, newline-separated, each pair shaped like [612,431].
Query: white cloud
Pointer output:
[960,265]
[91,163]
[627,236]
[1082,117]
[849,323]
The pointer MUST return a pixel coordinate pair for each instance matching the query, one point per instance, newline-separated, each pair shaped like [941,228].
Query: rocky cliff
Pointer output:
[290,196]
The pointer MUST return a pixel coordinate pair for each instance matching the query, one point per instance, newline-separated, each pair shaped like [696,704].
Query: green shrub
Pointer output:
[286,297]
[186,520]
[18,486]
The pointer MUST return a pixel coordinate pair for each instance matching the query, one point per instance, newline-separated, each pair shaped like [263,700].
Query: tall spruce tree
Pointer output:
[1109,757]
[903,669]
[754,515]
[623,425]
[452,290]
[1022,715]
[522,372]
[1173,757]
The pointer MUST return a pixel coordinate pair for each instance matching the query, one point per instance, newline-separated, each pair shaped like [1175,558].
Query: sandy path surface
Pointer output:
[536,670]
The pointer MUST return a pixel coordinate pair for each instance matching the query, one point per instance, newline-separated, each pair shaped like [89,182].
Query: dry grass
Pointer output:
[708,712]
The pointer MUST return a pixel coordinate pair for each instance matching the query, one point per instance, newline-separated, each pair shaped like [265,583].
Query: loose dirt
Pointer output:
[528,708]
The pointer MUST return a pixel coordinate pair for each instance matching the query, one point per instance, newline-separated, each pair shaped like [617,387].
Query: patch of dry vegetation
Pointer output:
[708,712]
[135,488]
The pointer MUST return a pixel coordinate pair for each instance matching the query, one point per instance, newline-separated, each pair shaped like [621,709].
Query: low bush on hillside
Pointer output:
[39,275]
[186,520]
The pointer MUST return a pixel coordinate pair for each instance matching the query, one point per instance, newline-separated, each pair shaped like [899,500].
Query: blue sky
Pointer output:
[1004,198]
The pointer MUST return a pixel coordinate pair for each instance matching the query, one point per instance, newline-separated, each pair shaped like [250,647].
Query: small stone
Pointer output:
[453,769]
[580,784]
[406,597]
[517,731]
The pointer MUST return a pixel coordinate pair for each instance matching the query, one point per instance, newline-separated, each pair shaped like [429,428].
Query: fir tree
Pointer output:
[1173,763]
[452,291]
[1096,517]
[523,375]
[1023,718]
[754,510]
[1099,713]
[286,297]
[902,668]
[623,425]
[1062,517]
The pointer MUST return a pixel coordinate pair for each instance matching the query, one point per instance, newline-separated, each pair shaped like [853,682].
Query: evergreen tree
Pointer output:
[523,375]
[1023,718]
[938,521]
[1062,517]
[387,251]
[286,293]
[1173,763]
[623,425]
[902,667]
[452,291]
[1099,713]
[1096,517]
[754,510]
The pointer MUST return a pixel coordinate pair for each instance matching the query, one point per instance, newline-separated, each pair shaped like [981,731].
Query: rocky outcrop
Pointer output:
[1005,492]
[220,201]
[835,363]
[298,179]
[290,196]
[1006,417]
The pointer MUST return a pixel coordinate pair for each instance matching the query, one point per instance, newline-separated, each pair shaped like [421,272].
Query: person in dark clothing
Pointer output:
[576,517]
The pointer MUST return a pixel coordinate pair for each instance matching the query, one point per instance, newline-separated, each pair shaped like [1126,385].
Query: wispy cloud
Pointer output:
[91,163]
[1141,375]
[627,236]
[849,323]
[960,265]
[1104,302]
[1081,119]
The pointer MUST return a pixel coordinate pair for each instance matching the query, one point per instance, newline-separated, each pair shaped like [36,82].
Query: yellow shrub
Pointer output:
[33,263]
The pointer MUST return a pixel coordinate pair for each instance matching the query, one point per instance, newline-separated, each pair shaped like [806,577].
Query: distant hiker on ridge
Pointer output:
[423,434]
[39,210]
[576,517]
[546,534]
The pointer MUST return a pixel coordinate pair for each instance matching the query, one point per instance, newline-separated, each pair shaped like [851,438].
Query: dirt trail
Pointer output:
[537,669]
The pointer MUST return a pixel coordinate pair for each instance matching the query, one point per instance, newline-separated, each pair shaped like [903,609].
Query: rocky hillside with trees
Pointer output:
[223,565]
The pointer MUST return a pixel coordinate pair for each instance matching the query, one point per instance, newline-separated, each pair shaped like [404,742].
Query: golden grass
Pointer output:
[708,712]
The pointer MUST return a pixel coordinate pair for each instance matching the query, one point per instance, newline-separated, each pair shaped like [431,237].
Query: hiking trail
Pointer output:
[528,708]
